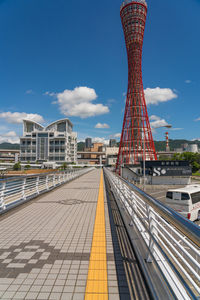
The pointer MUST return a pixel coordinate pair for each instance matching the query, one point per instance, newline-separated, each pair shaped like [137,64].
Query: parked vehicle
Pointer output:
[186,201]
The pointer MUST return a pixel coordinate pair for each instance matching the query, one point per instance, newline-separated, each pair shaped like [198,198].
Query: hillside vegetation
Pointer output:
[159,145]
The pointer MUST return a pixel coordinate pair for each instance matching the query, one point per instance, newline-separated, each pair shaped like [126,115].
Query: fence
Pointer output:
[171,241]
[14,191]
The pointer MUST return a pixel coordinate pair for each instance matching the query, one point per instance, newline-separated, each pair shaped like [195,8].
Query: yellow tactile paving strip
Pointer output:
[97,284]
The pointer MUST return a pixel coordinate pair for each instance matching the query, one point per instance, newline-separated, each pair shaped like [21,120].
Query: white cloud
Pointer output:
[100,140]
[117,135]
[188,81]
[100,125]
[198,119]
[17,117]
[9,137]
[28,92]
[157,122]
[110,102]
[49,94]
[10,134]
[175,129]
[77,103]
[156,95]
[154,118]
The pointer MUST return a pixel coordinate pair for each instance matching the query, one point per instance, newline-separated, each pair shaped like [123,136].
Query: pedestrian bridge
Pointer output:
[88,234]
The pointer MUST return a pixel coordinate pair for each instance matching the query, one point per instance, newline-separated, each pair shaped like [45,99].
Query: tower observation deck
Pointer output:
[136,139]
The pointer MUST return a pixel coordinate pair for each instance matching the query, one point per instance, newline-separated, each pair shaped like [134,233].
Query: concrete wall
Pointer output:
[155,180]
[130,175]
[169,180]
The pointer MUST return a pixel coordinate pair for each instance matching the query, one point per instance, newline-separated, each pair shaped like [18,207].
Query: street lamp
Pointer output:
[144,152]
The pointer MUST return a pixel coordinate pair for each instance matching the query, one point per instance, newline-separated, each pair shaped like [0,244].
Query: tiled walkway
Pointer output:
[45,244]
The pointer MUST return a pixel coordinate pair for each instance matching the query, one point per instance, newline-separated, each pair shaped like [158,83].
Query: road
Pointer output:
[159,192]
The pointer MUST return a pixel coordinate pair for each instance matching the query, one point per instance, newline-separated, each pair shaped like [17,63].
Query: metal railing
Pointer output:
[172,242]
[14,191]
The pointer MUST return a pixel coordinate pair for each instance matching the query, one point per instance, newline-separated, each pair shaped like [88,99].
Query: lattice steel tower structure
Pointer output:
[136,142]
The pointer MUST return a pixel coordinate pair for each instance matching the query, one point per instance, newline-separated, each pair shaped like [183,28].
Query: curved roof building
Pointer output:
[55,142]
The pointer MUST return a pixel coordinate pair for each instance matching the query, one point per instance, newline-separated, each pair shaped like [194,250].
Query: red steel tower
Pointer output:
[136,142]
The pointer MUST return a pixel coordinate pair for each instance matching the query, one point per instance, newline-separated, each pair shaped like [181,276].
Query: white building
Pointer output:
[192,148]
[56,142]
[112,151]
[111,155]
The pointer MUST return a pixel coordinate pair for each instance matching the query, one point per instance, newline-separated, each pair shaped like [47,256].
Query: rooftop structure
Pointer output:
[130,1]
[56,142]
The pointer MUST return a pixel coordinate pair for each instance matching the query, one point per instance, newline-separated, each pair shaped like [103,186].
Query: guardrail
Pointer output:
[169,238]
[14,191]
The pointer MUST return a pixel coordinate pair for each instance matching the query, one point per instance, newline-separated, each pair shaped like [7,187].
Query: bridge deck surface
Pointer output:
[45,245]
[69,243]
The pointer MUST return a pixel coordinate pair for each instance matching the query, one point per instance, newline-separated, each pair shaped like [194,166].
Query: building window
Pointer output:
[61,127]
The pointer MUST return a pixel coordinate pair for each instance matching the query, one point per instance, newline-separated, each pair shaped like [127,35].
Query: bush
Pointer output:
[195,167]
[193,158]
[64,166]
[27,167]
[17,167]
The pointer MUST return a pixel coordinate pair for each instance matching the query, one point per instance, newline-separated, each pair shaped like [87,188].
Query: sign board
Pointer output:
[167,168]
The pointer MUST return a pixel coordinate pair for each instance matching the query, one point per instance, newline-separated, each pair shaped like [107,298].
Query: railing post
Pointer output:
[122,188]
[59,179]
[37,185]
[2,203]
[153,232]
[70,175]
[54,180]
[23,189]
[134,209]
[47,182]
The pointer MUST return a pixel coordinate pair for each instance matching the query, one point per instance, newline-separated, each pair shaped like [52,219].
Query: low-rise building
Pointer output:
[111,155]
[112,151]
[56,142]
[9,155]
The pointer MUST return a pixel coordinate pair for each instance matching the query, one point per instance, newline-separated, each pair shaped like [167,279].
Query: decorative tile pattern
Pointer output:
[45,244]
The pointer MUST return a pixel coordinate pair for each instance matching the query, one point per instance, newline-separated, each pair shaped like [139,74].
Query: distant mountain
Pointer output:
[9,146]
[159,145]
[173,144]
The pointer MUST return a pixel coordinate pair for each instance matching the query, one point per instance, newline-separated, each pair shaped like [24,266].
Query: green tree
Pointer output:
[195,167]
[17,167]
[27,167]
[192,158]
[64,166]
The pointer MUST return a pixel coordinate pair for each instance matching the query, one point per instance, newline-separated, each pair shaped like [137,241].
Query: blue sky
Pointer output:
[63,58]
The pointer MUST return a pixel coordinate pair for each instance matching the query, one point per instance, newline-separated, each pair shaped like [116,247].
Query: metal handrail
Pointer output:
[171,241]
[188,228]
[36,175]
[14,191]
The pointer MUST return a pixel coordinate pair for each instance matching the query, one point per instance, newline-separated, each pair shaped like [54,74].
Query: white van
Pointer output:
[186,201]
